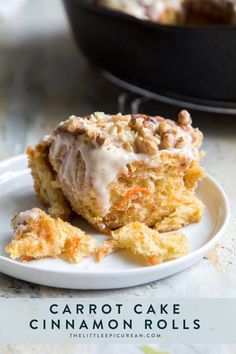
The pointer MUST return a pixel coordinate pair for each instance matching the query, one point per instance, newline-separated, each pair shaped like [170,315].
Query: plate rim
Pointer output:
[199,253]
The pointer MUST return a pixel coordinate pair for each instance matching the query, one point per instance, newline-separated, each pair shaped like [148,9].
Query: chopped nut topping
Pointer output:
[197,137]
[151,146]
[180,143]
[135,133]
[140,144]
[100,116]
[75,125]
[101,124]
[100,139]
[128,147]
[163,128]
[135,123]
[168,141]
[146,124]
[132,121]
[119,118]
[172,131]
[184,118]
[147,144]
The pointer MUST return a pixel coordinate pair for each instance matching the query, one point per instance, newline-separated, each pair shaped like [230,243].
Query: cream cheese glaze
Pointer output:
[23,216]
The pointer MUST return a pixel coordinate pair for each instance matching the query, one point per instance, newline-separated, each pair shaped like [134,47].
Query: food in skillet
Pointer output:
[210,12]
[159,11]
[118,169]
[177,12]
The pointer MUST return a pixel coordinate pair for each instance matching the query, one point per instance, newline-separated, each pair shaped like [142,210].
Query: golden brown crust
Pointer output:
[37,235]
[45,183]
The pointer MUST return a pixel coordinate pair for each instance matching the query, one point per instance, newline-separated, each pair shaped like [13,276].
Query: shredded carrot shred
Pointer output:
[73,245]
[182,167]
[27,258]
[120,206]
[134,191]
[126,175]
[153,261]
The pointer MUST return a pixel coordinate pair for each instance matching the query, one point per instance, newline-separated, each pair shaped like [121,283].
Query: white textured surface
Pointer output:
[116,349]
[10,8]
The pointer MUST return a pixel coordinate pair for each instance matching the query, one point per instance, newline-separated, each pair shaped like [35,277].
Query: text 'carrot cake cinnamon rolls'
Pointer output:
[117,169]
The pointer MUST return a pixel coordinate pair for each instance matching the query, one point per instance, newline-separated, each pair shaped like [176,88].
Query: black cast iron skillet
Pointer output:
[196,62]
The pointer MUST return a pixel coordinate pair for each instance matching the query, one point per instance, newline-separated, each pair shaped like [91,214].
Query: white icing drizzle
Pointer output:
[102,167]
[26,216]
[103,164]
[20,220]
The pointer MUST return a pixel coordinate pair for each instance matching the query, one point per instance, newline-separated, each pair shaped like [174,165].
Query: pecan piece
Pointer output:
[76,125]
[184,118]
[180,143]
[163,128]
[168,141]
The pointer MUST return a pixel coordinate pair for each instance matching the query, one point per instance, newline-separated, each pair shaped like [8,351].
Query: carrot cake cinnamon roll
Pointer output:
[117,169]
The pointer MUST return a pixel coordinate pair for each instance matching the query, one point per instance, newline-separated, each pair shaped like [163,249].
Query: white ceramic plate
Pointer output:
[119,269]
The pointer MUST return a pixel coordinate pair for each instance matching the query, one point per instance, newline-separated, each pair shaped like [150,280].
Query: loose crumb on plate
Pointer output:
[37,235]
[148,243]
